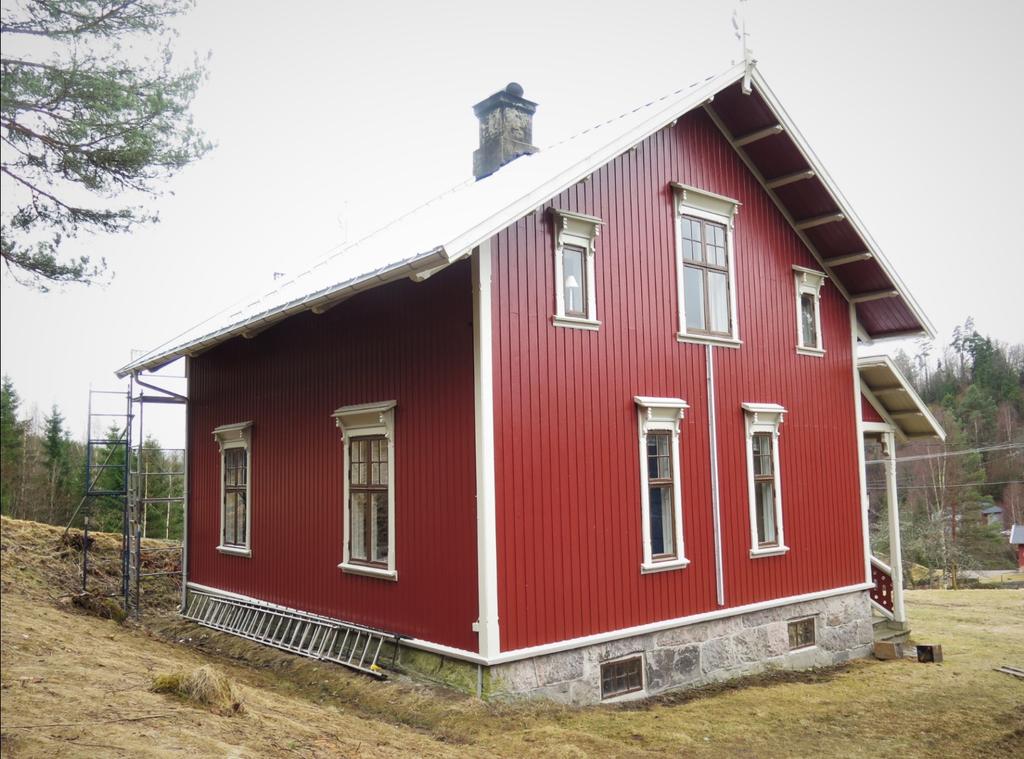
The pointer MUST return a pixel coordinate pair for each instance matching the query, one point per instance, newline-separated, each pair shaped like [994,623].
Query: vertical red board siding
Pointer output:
[867,411]
[567,469]
[412,343]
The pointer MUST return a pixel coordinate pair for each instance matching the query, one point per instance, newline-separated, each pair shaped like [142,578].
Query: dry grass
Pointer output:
[203,685]
[77,671]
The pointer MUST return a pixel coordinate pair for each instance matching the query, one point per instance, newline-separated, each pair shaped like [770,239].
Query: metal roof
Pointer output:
[450,226]
[1017,534]
[896,401]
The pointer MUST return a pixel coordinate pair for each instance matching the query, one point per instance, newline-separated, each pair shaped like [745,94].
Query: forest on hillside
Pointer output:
[43,473]
[958,498]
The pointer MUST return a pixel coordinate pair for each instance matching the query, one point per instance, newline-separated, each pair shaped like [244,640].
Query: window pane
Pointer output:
[574,284]
[229,519]
[762,448]
[718,295]
[765,502]
[357,538]
[662,543]
[808,322]
[715,244]
[379,536]
[659,457]
[693,297]
[240,514]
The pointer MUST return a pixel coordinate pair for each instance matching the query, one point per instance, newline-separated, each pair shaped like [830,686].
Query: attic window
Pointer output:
[575,290]
[808,311]
[705,266]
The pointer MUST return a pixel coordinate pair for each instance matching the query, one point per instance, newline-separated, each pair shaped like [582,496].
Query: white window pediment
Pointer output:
[764,417]
[233,435]
[366,419]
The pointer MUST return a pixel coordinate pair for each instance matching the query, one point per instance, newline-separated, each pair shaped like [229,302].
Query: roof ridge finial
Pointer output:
[739,25]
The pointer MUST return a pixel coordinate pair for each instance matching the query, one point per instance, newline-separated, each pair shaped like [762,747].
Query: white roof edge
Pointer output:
[844,205]
[866,362]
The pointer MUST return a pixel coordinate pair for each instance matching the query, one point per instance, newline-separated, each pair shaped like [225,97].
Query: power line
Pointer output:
[943,454]
[944,487]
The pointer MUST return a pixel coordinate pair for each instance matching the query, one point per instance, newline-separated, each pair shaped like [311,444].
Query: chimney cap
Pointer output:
[511,96]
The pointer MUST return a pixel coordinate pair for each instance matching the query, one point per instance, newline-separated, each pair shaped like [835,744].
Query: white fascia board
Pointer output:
[844,205]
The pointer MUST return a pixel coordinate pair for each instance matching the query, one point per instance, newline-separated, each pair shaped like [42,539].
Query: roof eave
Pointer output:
[845,207]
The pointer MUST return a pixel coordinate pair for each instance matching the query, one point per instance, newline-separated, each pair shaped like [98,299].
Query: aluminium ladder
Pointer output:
[309,635]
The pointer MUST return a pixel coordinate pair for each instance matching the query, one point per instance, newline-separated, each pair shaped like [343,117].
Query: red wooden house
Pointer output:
[589,426]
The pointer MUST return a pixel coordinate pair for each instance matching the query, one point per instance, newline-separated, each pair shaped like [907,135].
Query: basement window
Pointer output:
[575,288]
[764,489]
[621,677]
[235,487]
[801,633]
[368,433]
[808,311]
[661,499]
[705,266]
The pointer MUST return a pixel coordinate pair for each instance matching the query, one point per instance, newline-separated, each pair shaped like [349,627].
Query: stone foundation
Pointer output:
[696,654]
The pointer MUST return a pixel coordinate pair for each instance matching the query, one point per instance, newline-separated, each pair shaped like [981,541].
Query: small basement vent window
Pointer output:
[621,677]
[801,633]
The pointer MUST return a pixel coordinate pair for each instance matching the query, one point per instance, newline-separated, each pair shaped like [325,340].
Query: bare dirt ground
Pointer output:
[74,684]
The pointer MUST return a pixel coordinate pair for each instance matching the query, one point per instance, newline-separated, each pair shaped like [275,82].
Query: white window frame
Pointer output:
[661,415]
[368,420]
[709,206]
[580,231]
[809,282]
[228,436]
[764,417]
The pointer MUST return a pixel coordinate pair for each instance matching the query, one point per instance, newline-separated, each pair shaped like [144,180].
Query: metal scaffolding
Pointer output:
[147,483]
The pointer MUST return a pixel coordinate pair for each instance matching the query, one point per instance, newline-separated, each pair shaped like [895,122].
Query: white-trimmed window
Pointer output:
[706,266]
[575,288]
[767,537]
[368,433]
[235,441]
[808,311]
[661,495]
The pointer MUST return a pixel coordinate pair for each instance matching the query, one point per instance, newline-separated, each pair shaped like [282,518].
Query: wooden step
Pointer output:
[892,632]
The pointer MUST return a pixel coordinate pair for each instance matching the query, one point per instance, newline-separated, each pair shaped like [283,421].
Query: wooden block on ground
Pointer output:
[929,653]
[885,649]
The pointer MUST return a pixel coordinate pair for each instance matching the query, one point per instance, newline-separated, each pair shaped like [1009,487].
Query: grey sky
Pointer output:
[331,118]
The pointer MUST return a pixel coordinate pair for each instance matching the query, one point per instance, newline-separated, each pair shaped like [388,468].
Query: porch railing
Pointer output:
[881,594]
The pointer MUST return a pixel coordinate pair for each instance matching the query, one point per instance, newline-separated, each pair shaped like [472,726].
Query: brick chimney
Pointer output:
[506,129]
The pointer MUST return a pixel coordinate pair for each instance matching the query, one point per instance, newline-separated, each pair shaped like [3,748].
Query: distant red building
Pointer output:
[591,424]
